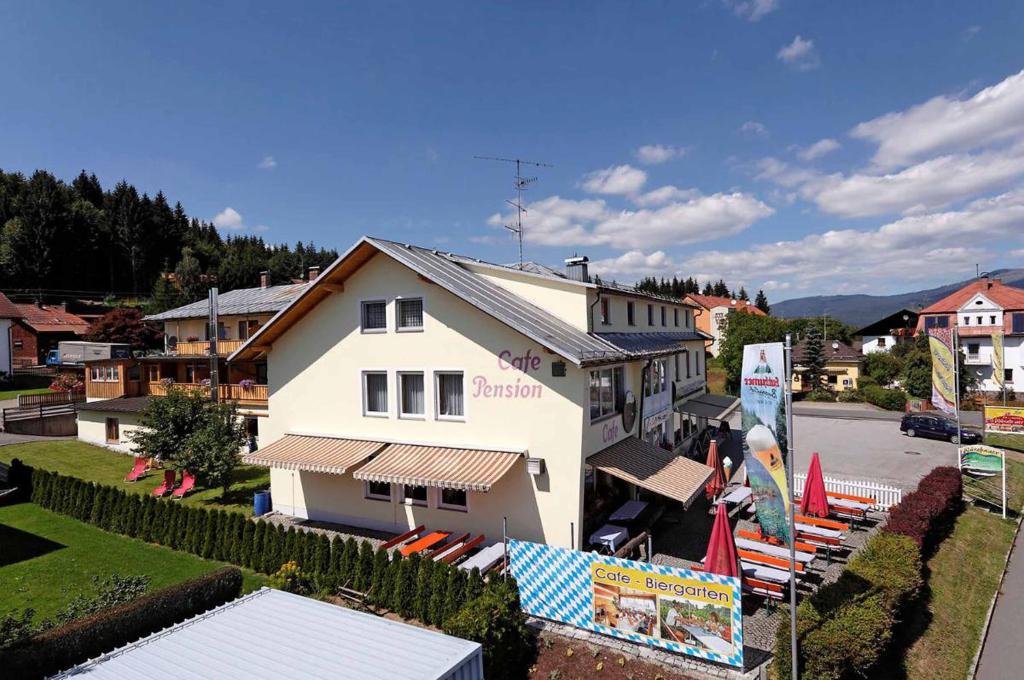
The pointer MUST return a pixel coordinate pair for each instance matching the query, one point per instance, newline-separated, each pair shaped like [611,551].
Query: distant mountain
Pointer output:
[860,310]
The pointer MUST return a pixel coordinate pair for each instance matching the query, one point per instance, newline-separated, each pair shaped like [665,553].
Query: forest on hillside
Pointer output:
[64,239]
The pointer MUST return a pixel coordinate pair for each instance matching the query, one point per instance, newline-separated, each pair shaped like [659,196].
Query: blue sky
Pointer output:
[803,147]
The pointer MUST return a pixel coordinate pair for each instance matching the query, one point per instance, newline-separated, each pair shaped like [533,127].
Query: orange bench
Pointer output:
[754,536]
[850,497]
[768,560]
[773,591]
[823,523]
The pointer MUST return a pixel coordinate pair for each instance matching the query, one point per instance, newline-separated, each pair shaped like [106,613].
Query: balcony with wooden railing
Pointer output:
[254,395]
[202,347]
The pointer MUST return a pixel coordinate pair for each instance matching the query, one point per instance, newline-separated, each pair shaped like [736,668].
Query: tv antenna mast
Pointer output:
[520,184]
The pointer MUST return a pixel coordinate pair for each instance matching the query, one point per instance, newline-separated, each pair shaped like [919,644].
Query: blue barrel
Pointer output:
[261,503]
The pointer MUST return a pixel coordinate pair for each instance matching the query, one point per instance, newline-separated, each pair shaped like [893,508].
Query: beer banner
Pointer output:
[940,340]
[763,412]
[997,359]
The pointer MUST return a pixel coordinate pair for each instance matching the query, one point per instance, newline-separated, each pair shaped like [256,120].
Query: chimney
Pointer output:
[313,273]
[264,279]
[576,268]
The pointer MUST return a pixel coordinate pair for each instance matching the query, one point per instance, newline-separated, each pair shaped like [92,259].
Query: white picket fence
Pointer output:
[885,496]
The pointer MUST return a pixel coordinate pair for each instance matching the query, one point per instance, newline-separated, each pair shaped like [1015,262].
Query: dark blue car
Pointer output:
[937,427]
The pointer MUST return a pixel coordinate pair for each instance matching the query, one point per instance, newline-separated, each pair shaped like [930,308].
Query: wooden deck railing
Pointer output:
[104,390]
[257,394]
[51,398]
[202,348]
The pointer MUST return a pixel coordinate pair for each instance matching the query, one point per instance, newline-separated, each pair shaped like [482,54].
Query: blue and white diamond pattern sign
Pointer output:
[680,610]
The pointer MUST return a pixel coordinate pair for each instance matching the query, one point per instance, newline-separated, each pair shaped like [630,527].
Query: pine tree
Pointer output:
[455,593]
[391,598]
[99,505]
[406,601]
[813,359]
[378,581]
[337,552]
[323,559]
[474,585]
[146,519]
[253,539]
[273,543]
[348,562]
[438,590]
[743,294]
[708,290]
[364,567]
[310,559]
[289,548]
[424,579]
[761,302]
[130,522]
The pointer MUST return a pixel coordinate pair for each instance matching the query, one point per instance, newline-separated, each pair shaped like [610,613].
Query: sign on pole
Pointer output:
[980,462]
[944,391]
[690,612]
[1004,420]
[763,416]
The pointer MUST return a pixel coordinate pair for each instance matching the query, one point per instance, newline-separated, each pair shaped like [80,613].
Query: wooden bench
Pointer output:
[823,523]
[768,560]
[754,536]
[766,589]
[450,557]
[397,540]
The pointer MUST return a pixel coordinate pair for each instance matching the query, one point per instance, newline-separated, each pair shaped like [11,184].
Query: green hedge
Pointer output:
[61,648]
[889,399]
[845,627]
[430,591]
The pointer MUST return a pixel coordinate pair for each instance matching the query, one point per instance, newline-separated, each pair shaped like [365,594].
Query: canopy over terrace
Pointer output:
[650,467]
[710,406]
[396,463]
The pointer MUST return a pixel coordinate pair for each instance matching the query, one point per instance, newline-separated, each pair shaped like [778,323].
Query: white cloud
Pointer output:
[752,10]
[665,194]
[946,123]
[653,154]
[971,31]
[555,221]
[634,265]
[228,218]
[754,129]
[268,163]
[772,284]
[800,54]
[818,149]
[618,179]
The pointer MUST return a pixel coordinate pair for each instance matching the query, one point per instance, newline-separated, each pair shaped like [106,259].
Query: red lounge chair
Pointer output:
[188,481]
[138,472]
[165,486]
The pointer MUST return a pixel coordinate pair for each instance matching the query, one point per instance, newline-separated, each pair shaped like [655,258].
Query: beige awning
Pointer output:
[448,468]
[331,455]
[653,468]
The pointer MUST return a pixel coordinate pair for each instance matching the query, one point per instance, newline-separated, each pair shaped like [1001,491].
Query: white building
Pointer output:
[886,333]
[978,311]
[413,387]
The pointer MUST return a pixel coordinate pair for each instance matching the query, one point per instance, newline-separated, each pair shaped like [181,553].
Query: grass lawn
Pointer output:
[964,576]
[47,559]
[94,463]
[716,375]
[1006,441]
[13,394]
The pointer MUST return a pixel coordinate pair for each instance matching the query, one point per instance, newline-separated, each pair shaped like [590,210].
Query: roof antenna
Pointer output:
[521,184]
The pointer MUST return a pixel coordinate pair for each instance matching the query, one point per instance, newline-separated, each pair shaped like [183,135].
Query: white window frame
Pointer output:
[399,375]
[370,496]
[614,411]
[437,373]
[366,411]
[411,501]
[449,506]
[398,315]
[362,315]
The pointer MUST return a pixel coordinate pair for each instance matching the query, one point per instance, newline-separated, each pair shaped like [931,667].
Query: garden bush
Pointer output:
[927,514]
[495,620]
[60,648]
[889,399]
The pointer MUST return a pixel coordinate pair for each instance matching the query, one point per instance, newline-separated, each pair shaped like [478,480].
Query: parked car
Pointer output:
[937,427]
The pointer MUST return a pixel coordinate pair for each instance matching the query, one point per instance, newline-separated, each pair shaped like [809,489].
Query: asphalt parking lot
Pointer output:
[873,450]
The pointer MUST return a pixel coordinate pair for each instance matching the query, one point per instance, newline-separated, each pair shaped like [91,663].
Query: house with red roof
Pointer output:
[978,311]
[8,314]
[714,310]
[39,329]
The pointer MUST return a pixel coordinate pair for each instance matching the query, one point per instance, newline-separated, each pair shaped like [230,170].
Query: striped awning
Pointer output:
[331,455]
[652,468]
[447,468]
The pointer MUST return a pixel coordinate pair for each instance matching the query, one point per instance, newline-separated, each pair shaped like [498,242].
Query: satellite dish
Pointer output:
[629,411]
[835,344]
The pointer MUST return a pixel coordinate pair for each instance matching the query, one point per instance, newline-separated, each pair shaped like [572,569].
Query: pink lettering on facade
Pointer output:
[525,363]
[482,389]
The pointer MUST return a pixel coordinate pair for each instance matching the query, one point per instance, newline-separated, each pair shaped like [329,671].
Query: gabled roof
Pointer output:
[239,301]
[448,272]
[885,325]
[834,350]
[712,301]
[1007,297]
[47,319]
[7,308]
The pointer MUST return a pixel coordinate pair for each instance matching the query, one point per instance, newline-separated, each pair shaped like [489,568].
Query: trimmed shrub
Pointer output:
[404,601]
[378,580]
[927,514]
[363,568]
[474,585]
[495,620]
[436,605]
[251,541]
[348,562]
[454,593]
[889,399]
[337,551]
[58,649]
[424,579]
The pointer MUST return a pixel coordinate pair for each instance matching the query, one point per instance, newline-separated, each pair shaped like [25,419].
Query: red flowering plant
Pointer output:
[66,382]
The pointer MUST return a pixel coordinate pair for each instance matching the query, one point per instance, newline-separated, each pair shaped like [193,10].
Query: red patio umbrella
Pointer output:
[815,500]
[717,481]
[721,558]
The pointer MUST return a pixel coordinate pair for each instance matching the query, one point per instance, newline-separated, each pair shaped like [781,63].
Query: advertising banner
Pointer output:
[684,611]
[980,459]
[998,375]
[763,409]
[943,370]
[982,466]
[1004,419]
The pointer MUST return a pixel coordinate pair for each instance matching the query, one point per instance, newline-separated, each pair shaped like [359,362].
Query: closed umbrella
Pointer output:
[721,557]
[815,499]
[717,481]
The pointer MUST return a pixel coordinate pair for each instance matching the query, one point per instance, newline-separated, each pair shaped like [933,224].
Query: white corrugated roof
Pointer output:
[274,634]
[239,301]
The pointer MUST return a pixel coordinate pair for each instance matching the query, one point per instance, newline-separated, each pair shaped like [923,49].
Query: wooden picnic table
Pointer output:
[424,542]
[485,559]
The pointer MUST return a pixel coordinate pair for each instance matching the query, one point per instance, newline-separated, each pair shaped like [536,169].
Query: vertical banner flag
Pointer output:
[763,409]
[997,359]
[940,340]
[683,611]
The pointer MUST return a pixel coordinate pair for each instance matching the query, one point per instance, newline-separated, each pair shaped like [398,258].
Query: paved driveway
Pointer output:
[868,449]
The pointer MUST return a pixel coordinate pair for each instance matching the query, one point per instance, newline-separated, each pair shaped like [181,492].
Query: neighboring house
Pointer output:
[976,311]
[8,315]
[713,312]
[117,390]
[842,366]
[886,333]
[409,386]
[39,330]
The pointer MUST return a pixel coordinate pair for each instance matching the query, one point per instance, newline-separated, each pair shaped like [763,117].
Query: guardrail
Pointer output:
[51,398]
[885,496]
[28,413]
